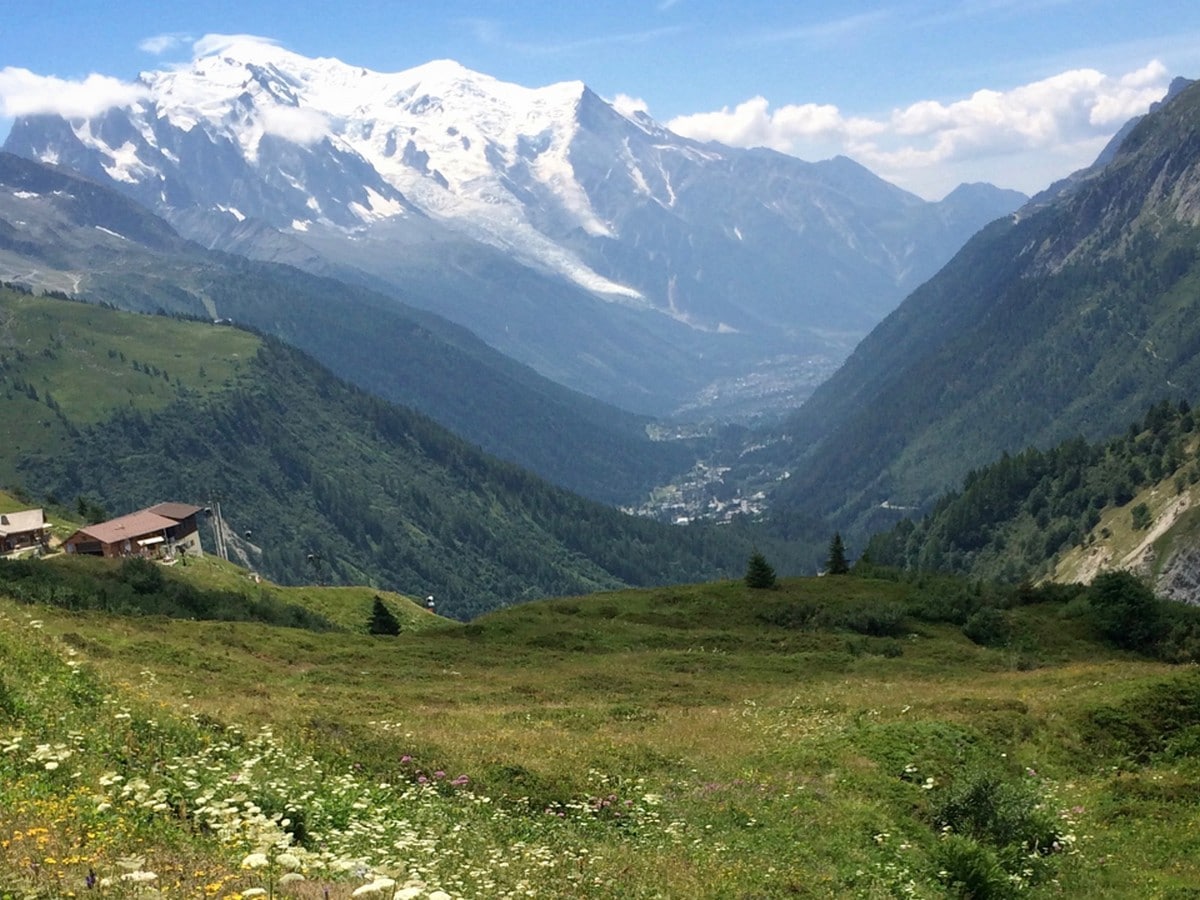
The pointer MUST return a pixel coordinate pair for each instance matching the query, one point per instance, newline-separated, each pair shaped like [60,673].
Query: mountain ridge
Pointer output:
[471,197]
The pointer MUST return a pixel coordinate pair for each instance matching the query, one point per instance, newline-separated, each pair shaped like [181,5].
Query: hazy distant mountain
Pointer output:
[62,232]
[1072,316]
[609,253]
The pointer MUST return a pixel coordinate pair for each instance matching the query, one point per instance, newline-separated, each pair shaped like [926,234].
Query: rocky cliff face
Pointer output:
[1180,577]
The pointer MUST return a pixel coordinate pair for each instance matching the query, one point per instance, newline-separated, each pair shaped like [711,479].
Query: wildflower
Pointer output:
[255,861]
[289,878]
[139,877]
[254,892]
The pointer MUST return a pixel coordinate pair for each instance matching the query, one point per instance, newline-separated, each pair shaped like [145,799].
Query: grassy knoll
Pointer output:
[832,738]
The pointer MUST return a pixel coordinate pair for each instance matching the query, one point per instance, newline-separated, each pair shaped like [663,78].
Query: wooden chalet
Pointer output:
[24,530]
[158,531]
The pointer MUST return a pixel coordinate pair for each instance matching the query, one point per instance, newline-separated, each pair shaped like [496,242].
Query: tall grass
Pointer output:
[667,743]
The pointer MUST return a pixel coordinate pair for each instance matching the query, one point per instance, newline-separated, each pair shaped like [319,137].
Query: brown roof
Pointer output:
[176,511]
[128,528]
[20,522]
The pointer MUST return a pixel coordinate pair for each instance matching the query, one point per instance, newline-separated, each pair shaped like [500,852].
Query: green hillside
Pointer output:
[835,737]
[65,365]
[319,481]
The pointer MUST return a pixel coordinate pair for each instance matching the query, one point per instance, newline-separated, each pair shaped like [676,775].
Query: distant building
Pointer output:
[161,530]
[23,530]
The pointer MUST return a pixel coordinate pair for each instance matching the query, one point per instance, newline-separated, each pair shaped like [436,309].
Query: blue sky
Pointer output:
[926,94]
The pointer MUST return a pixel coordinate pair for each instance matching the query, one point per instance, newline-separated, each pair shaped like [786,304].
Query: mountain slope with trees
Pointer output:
[63,232]
[1069,318]
[319,480]
[1020,516]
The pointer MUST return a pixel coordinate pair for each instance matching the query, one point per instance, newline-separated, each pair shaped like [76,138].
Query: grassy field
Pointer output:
[826,739]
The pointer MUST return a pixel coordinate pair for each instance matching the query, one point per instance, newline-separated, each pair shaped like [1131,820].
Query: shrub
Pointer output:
[995,835]
[989,627]
[1148,721]
[1141,517]
[799,614]
[946,602]
[1125,611]
[872,618]
[986,806]
[972,870]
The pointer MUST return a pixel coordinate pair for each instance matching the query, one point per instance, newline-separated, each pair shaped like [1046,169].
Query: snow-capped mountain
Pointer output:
[524,213]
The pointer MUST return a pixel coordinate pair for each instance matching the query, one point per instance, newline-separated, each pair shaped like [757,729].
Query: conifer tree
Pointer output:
[382,620]
[837,564]
[759,573]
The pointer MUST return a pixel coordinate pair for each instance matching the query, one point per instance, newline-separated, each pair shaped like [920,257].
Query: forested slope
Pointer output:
[322,480]
[60,230]
[1069,318]
[1015,518]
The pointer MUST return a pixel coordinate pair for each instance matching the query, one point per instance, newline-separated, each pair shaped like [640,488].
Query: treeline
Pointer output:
[323,482]
[1010,518]
[139,587]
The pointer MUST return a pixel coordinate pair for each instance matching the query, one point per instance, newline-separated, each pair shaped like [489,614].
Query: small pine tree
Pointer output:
[837,564]
[382,620]
[759,573]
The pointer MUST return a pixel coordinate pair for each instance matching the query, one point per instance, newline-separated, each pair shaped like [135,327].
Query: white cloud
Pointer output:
[753,124]
[627,106]
[1007,137]
[162,43]
[215,43]
[24,93]
[301,126]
